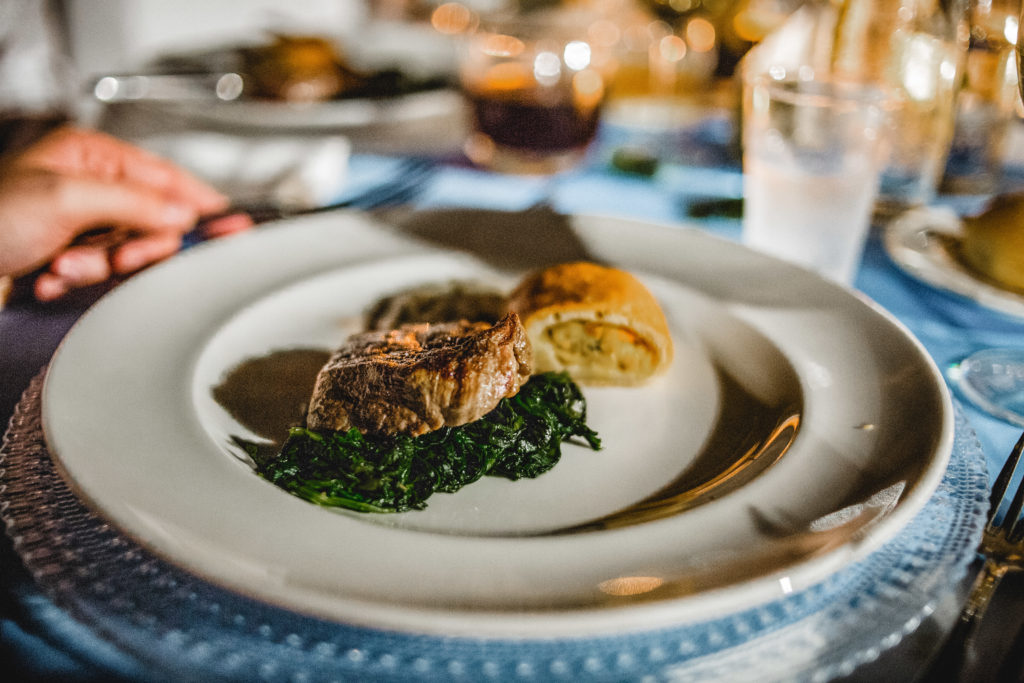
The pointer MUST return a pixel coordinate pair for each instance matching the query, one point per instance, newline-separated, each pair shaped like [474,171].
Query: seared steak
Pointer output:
[420,377]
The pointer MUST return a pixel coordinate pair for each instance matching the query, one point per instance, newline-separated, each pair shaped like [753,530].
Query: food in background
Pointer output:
[303,69]
[437,303]
[993,242]
[299,69]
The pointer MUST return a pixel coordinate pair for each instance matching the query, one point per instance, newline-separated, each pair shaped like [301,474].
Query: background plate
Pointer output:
[920,242]
[339,115]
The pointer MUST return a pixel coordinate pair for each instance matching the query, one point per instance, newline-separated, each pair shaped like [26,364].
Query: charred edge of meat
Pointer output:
[420,377]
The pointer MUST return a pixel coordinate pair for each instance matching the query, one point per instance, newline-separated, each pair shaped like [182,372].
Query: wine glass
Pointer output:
[993,378]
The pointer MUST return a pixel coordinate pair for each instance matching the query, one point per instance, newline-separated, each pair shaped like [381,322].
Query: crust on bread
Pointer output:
[599,324]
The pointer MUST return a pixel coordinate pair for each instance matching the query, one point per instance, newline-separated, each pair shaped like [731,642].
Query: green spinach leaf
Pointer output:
[520,438]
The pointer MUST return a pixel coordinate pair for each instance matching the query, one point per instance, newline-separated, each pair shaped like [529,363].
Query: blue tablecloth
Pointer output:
[38,641]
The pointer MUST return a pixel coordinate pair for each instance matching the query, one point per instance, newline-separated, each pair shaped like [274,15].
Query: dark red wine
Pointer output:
[519,119]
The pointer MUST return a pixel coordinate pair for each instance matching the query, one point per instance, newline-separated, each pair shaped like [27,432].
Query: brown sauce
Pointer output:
[749,437]
[269,394]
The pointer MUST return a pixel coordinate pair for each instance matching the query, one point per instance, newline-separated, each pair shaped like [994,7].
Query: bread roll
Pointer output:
[993,242]
[599,324]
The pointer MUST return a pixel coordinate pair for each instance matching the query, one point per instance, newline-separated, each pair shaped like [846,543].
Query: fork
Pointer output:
[404,184]
[1002,545]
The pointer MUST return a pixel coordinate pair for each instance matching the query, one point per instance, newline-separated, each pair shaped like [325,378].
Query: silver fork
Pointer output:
[406,182]
[1002,546]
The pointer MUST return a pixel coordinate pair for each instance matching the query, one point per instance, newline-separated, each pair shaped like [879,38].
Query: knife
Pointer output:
[223,87]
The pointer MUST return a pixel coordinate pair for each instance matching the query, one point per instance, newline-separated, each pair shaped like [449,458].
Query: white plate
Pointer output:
[127,413]
[338,115]
[919,241]
[419,52]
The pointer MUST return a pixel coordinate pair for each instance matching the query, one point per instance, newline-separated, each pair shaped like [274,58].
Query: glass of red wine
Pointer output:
[535,84]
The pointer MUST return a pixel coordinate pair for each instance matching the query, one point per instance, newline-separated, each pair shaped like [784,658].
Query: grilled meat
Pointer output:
[420,377]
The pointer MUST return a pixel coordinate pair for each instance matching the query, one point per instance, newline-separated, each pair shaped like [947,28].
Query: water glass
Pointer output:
[535,85]
[812,155]
[926,70]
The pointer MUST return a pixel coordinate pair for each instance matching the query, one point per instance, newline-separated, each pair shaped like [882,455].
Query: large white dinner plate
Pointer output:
[128,417]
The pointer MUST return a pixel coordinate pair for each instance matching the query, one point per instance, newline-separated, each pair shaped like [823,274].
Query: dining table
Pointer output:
[685,176]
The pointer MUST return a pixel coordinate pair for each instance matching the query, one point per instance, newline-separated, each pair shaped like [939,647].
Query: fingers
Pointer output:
[97,258]
[91,154]
[82,204]
[141,252]
[77,267]
[148,228]
[81,266]
[94,207]
[176,183]
[228,225]
[49,287]
[142,168]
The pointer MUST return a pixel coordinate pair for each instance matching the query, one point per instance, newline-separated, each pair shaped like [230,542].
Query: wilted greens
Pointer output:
[520,438]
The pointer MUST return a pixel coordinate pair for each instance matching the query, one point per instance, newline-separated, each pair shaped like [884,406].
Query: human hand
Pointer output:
[86,206]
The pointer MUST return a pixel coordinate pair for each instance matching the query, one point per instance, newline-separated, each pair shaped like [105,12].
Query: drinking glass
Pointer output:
[914,50]
[993,378]
[535,84]
[987,100]
[812,156]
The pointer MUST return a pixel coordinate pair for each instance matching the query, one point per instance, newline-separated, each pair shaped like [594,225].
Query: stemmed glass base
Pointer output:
[993,380]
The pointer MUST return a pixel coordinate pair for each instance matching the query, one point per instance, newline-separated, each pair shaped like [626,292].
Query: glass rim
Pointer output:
[567,25]
[821,89]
